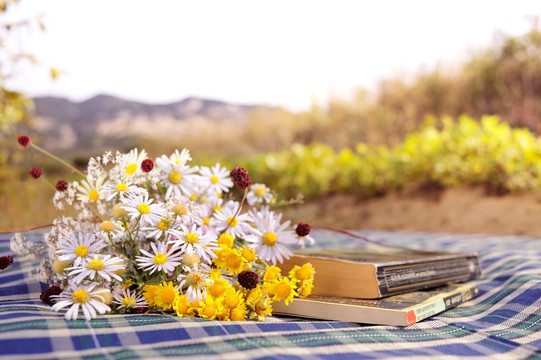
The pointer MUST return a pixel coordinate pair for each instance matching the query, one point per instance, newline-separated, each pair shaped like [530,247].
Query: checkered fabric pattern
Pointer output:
[503,322]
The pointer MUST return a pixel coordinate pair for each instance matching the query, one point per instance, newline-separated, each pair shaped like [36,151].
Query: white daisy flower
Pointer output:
[121,189]
[141,206]
[131,163]
[163,259]
[259,194]
[183,210]
[215,179]
[103,266]
[129,300]
[79,247]
[179,178]
[180,158]
[194,241]
[86,297]
[224,220]
[269,236]
[196,279]
[89,190]
[162,230]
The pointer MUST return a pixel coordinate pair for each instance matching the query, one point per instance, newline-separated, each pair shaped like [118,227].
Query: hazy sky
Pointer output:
[268,52]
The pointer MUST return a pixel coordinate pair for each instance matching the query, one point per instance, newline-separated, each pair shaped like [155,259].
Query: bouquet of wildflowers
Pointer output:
[164,235]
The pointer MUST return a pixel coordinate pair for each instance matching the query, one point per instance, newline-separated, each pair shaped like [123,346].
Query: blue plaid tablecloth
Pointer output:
[503,322]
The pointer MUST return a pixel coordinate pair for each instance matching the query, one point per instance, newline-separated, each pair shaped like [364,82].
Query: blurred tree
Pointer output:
[503,79]
[16,110]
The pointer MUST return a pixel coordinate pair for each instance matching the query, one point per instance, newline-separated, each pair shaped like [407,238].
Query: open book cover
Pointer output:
[377,271]
[401,310]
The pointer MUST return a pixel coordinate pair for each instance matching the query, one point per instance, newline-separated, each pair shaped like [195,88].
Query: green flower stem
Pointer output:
[48,183]
[238,209]
[58,159]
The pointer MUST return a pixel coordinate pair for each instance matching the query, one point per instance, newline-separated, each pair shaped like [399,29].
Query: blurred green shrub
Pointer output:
[445,152]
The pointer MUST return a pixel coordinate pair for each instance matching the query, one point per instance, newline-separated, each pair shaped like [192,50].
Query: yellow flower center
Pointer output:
[214,179]
[210,311]
[131,169]
[180,210]
[163,225]
[160,259]
[260,191]
[80,296]
[248,254]
[191,238]
[231,300]
[269,239]
[232,221]
[128,302]
[217,289]
[234,261]
[118,211]
[216,209]
[225,240]
[143,208]
[195,279]
[81,251]
[96,265]
[121,187]
[190,259]
[283,290]
[93,195]
[237,314]
[107,226]
[305,272]
[168,296]
[175,177]
[182,306]
[206,220]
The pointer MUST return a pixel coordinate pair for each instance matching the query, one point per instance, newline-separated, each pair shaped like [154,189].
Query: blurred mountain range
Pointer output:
[103,120]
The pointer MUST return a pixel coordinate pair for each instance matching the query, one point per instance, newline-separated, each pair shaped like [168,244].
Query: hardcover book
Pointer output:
[378,271]
[401,310]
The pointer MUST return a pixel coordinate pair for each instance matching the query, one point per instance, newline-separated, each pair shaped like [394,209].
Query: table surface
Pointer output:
[504,321]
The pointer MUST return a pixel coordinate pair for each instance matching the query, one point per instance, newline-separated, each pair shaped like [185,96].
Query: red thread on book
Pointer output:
[356,236]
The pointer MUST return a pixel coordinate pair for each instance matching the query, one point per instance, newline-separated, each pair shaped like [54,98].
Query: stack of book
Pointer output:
[383,285]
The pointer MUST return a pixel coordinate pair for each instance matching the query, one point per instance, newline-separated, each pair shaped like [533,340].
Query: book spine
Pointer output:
[408,277]
[436,306]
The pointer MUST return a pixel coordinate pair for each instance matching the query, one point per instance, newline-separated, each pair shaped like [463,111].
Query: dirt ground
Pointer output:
[459,210]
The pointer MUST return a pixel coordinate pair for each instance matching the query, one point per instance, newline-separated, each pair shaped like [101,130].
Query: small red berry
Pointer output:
[35,172]
[61,185]
[24,140]
[248,279]
[240,177]
[303,229]
[47,293]
[5,261]
[147,165]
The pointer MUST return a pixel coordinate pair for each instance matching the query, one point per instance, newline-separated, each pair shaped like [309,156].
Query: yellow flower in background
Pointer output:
[239,313]
[261,309]
[232,298]
[149,293]
[284,289]
[183,307]
[209,308]
[248,254]
[225,240]
[305,288]
[217,288]
[165,295]
[272,273]
[230,260]
[302,273]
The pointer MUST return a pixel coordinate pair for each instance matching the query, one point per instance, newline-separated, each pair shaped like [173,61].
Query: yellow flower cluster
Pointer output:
[228,302]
